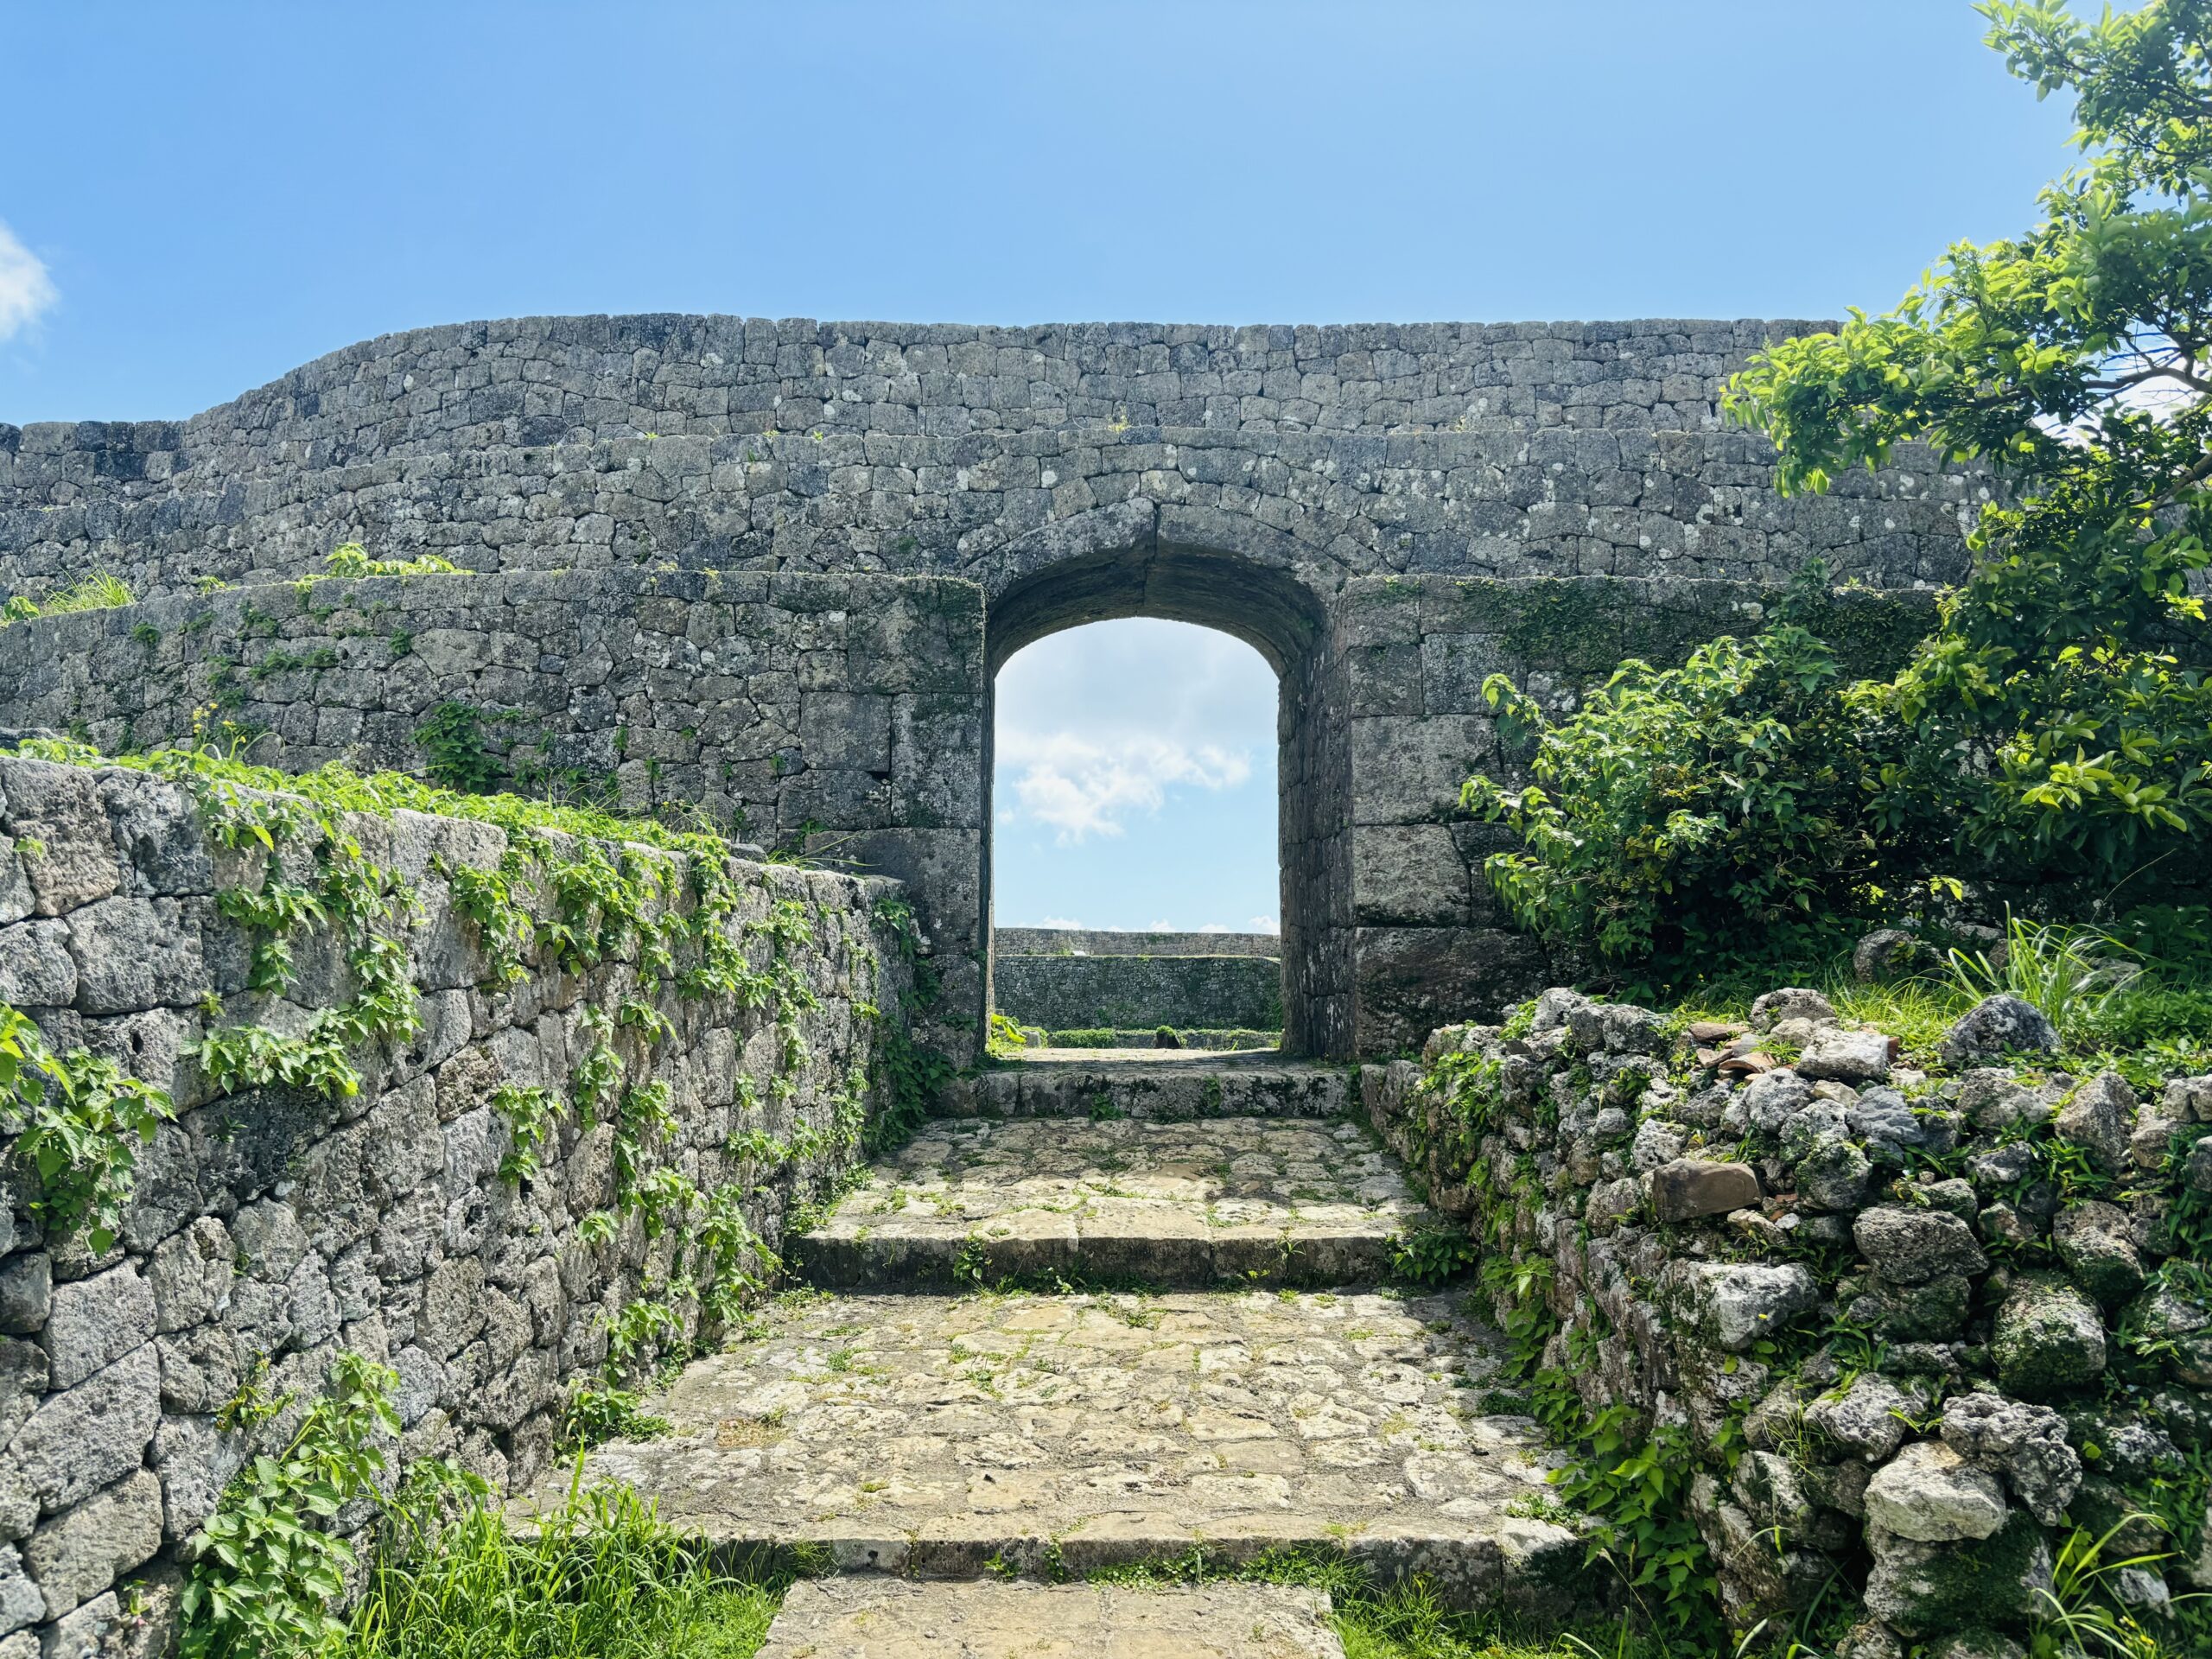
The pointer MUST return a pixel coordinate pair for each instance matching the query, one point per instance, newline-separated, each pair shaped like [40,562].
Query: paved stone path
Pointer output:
[881,1618]
[926,1443]
[1261,1201]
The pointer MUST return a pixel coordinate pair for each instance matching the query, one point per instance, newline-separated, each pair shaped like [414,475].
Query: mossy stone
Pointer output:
[2049,1338]
[1923,1589]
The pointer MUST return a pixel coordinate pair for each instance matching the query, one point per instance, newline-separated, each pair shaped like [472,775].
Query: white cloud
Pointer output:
[26,290]
[1060,921]
[1265,925]
[1080,786]
[1184,706]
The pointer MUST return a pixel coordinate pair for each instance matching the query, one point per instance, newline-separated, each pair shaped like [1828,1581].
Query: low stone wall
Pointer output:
[411,1221]
[1105,942]
[1910,1326]
[841,714]
[1065,993]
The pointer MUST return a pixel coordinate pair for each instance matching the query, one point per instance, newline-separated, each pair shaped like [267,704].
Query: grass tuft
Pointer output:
[603,1576]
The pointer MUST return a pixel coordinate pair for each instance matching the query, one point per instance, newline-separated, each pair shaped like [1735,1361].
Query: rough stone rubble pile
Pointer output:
[1919,1325]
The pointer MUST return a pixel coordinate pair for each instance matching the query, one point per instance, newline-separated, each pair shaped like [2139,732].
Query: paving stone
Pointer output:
[1259,1200]
[1154,1085]
[941,1436]
[883,1617]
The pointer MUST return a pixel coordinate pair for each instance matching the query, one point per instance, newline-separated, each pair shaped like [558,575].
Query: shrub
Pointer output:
[1686,808]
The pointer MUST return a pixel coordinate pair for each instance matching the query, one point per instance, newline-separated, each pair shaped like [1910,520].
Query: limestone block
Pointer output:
[1866,1421]
[1931,1494]
[1697,1186]
[2096,1243]
[1923,1588]
[1995,1026]
[97,1320]
[1408,771]
[2026,1444]
[1846,1056]
[2101,1119]
[80,1439]
[191,1275]
[36,969]
[16,899]
[194,1461]
[22,1381]
[1734,1304]
[1909,1245]
[1791,1002]
[69,858]
[134,954]
[76,1554]
[1408,873]
[26,1292]
[2048,1338]
[21,1602]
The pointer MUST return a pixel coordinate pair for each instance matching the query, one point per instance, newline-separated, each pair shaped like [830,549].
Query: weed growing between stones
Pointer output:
[438,1570]
[97,591]
[351,559]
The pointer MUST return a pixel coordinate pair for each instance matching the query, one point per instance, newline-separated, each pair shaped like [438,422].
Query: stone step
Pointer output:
[1055,1437]
[1250,1200]
[877,1617]
[1119,1082]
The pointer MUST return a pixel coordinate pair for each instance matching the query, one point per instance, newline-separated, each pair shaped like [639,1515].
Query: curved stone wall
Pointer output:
[1289,485]
[1532,449]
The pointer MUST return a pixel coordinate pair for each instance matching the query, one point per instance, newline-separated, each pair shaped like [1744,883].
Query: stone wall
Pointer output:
[840,716]
[1430,942]
[274,1223]
[1365,506]
[1071,993]
[1104,942]
[1909,1319]
[1518,449]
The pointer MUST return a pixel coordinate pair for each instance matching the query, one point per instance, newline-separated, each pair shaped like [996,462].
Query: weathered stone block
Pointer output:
[76,1554]
[2048,1338]
[1696,1187]
[96,1321]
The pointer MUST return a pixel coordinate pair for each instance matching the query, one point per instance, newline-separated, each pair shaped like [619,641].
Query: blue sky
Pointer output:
[201,197]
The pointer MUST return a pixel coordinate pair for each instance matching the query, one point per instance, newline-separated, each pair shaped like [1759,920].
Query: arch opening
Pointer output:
[1286,623]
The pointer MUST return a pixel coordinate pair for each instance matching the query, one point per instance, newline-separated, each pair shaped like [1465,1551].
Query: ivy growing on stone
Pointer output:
[78,1120]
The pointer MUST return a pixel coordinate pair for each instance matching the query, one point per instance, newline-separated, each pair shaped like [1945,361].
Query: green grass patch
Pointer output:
[602,1577]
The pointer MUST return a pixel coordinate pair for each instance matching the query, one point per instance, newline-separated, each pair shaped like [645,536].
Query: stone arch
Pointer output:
[1283,612]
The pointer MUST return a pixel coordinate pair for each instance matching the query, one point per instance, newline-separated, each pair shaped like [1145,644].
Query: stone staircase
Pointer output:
[1115,1314]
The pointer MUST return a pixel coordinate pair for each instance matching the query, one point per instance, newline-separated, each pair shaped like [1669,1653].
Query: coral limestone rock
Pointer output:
[2048,1338]
[1998,1025]
[1928,1493]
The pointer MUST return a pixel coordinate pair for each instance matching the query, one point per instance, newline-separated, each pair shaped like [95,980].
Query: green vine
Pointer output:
[572,890]
[271,1570]
[78,1121]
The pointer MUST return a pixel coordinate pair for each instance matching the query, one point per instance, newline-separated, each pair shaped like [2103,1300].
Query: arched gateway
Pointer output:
[774,568]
